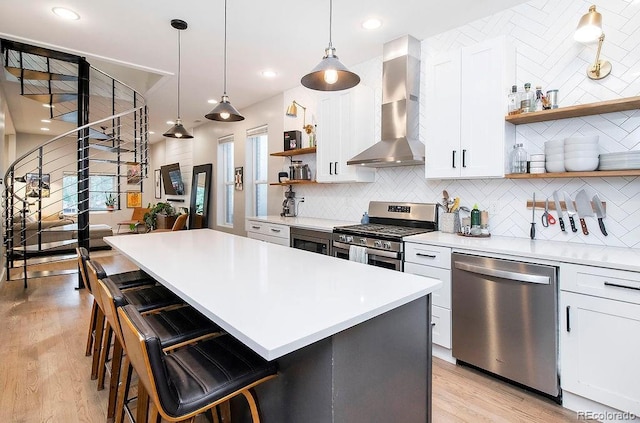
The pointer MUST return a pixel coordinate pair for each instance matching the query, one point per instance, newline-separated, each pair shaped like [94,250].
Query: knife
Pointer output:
[600,213]
[584,209]
[571,211]
[556,198]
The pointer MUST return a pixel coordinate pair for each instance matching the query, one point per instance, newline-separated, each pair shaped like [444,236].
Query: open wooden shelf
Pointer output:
[609,106]
[296,152]
[295,182]
[595,173]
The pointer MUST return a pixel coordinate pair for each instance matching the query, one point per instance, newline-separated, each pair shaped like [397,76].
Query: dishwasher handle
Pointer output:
[504,274]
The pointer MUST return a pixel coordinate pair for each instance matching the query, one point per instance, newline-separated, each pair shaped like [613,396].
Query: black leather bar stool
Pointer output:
[194,379]
[145,298]
[175,328]
[125,280]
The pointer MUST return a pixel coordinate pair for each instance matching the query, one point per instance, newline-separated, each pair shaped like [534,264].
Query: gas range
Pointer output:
[389,223]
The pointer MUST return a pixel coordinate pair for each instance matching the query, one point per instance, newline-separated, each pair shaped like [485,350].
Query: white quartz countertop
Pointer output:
[275,299]
[565,252]
[325,225]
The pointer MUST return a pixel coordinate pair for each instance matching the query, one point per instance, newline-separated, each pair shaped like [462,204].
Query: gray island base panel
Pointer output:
[374,372]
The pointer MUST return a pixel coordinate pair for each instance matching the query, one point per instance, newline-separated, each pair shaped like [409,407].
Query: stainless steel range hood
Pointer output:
[400,145]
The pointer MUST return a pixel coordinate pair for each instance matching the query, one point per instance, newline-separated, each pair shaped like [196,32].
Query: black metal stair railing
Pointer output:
[58,177]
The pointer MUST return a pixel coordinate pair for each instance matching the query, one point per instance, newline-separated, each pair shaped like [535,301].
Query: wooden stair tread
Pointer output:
[39,75]
[46,245]
[52,98]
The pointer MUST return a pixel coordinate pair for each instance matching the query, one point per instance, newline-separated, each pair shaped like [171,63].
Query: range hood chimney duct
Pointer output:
[400,145]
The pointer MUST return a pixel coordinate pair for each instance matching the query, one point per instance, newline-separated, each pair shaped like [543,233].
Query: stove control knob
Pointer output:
[342,238]
[386,245]
[377,243]
[349,238]
[363,241]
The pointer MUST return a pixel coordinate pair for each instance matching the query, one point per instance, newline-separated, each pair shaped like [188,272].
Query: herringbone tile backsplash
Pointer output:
[547,55]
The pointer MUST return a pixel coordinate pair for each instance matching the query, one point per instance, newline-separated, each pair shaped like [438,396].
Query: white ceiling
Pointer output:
[132,38]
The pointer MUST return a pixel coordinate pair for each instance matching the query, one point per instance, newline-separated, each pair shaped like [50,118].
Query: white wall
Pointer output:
[203,149]
[547,55]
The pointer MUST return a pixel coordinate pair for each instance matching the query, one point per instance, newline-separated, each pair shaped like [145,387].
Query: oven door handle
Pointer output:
[370,251]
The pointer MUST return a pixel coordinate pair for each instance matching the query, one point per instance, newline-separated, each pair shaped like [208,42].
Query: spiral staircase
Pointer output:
[108,135]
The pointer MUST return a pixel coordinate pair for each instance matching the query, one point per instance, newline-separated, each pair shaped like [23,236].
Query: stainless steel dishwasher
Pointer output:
[505,319]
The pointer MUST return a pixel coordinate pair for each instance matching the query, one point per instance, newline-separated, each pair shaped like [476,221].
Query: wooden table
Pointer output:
[353,342]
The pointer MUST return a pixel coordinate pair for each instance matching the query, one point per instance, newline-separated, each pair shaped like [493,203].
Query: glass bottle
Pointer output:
[475,217]
[539,98]
[527,102]
[518,159]
[513,101]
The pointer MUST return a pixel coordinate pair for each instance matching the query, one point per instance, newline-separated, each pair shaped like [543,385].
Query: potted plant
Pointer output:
[110,202]
[165,210]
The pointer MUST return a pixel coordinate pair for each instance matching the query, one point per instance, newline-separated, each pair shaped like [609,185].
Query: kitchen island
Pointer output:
[352,341]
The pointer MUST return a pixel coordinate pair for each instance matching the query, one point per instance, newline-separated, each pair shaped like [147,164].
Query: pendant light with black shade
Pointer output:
[330,74]
[224,111]
[178,130]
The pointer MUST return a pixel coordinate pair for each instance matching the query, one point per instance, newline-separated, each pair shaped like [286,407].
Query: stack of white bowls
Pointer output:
[554,156]
[536,164]
[581,153]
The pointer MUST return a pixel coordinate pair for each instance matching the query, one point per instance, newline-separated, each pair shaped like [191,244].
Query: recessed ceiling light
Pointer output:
[49,106]
[45,121]
[65,13]
[212,101]
[372,23]
[170,122]
[269,74]
[44,129]
[151,132]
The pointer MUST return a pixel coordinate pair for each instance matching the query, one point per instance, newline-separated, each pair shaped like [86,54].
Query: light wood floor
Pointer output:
[44,375]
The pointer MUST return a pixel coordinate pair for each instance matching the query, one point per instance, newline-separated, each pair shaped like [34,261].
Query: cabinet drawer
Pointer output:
[428,254]
[271,229]
[442,296]
[619,285]
[441,326]
[269,238]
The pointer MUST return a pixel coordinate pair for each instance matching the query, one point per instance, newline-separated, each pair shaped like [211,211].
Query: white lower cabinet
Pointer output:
[269,232]
[600,336]
[434,262]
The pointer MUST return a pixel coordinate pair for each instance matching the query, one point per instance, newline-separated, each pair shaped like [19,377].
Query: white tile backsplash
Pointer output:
[547,55]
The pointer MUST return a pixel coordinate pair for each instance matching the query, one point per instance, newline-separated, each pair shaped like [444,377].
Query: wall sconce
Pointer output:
[589,30]
[292,111]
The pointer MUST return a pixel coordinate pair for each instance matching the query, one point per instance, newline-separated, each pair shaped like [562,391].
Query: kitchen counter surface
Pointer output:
[566,252]
[275,299]
[325,225]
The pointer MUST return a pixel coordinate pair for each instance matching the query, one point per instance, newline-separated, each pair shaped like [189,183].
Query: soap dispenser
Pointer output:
[365,218]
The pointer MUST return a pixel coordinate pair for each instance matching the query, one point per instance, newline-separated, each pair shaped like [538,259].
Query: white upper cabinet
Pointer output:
[466,92]
[345,128]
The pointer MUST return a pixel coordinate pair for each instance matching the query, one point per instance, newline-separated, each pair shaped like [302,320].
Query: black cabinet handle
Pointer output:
[453,159]
[621,286]
[335,167]
[330,168]
[464,158]
[426,255]
[433,324]
[568,318]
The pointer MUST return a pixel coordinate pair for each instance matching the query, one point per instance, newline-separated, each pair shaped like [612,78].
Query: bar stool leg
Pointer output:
[97,343]
[123,390]
[104,355]
[92,328]
[142,407]
[116,362]
[225,411]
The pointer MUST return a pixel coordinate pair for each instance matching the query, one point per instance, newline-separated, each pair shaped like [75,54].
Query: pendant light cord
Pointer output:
[225,47]
[330,21]
[178,74]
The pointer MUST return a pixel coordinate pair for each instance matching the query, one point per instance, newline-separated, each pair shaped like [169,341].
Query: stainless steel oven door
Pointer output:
[387,259]
[310,240]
